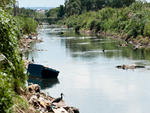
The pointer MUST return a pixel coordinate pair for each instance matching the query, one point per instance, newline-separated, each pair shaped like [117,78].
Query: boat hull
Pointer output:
[41,71]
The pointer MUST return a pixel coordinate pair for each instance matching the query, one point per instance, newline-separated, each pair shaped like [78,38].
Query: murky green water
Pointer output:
[88,76]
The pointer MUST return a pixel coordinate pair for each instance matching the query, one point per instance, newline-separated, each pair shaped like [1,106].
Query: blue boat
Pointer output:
[42,71]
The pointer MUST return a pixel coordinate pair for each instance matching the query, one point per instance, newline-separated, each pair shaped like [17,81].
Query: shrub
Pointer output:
[27,25]
[9,32]
[6,93]
[147,29]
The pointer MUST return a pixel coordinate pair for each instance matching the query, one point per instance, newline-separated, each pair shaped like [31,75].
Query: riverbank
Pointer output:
[137,43]
[129,23]
[42,103]
[26,40]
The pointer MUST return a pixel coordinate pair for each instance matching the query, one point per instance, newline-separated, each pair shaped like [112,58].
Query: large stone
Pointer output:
[34,88]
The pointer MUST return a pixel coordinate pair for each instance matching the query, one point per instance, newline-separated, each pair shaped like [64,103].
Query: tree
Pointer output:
[61,11]
[119,3]
[72,7]
[6,3]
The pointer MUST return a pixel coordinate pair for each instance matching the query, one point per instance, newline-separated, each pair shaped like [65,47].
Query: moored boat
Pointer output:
[38,70]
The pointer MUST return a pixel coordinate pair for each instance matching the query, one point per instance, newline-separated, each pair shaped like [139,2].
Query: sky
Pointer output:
[40,3]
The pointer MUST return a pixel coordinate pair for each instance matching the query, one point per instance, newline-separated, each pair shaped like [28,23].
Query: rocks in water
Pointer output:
[43,103]
[133,66]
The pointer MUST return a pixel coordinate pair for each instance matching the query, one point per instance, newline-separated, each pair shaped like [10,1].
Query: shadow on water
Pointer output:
[44,83]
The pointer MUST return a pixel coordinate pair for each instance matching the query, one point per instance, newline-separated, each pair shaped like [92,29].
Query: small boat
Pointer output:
[42,71]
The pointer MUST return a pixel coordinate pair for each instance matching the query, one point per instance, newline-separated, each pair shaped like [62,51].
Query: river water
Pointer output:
[88,77]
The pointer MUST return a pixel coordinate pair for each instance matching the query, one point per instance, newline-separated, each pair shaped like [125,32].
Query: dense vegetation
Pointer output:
[27,25]
[130,22]
[26,20]
[5,4]
[12,76]
[80,6]
[55,14]
[129,19]
[76,7]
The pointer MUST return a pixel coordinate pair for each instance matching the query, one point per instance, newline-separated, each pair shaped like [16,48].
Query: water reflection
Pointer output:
[88,76]
[93,47]
[44,83]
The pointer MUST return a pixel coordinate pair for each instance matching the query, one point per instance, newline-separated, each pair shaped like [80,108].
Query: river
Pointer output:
[88,75]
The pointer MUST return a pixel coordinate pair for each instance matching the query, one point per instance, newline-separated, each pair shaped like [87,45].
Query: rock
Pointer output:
[43,103]
[71,109]
[60,110]
[133,66]
[30,37]
[35,88]
[75,110]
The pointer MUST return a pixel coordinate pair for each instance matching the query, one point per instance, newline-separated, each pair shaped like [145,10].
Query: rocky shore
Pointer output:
[42,103]
[26,40]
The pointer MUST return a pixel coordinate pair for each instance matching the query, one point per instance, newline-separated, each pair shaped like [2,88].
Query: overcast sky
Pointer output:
[40,3]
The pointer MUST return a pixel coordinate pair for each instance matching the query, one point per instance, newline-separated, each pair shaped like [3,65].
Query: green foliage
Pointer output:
[61,11]
[73,7]
[27,25]
[147,29]
[20,104]
[131,21]
[8,34]
[52,12]
[6,93]
[6,3]
[77,7]
[58,12]
[119,3]
[12,75]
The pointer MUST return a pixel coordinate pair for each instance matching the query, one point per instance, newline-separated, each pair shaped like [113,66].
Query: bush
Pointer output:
[9,33]
[131,21]
[6,93]
[147,29]
[27,25]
